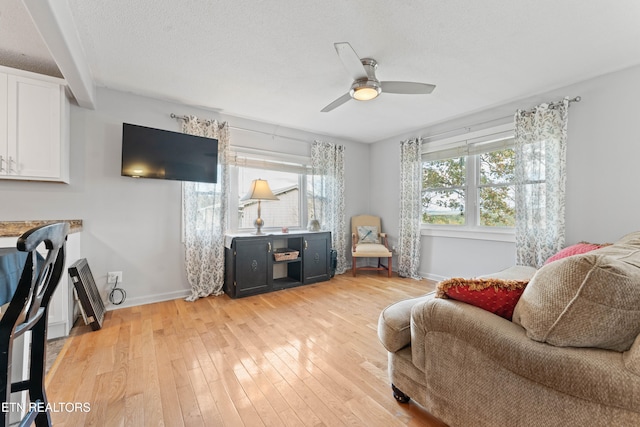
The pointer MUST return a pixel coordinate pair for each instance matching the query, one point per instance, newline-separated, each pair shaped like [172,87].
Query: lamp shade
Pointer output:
[259,191]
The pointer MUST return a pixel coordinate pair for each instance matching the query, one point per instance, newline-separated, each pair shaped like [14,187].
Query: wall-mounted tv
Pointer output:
[162,154]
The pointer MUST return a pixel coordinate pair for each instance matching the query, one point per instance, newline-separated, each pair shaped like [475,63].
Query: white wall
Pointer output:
[602,172]
[133,225]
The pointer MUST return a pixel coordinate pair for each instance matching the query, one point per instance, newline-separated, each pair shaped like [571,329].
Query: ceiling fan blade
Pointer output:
[351,61]
[338,102]
[407,87]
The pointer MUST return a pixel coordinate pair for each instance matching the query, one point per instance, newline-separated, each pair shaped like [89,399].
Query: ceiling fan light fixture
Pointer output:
[366,85]
[365,91]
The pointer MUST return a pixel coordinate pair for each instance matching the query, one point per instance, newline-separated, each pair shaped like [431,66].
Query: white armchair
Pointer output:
[369,242]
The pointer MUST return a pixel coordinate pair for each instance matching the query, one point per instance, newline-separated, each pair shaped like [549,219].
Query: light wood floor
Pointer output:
[307,356]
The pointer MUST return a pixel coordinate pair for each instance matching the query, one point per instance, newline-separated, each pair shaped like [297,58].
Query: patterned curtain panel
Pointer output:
[410,208]
[540,175]
[327,160]
[204,214]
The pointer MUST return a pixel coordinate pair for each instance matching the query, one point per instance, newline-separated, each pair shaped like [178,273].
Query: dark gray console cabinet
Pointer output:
[250,267]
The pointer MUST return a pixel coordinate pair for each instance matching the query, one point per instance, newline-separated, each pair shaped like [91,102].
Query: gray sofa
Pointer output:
[571,355]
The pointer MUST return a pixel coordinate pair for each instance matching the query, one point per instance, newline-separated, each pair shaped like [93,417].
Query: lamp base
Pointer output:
[259,223]
[314,225]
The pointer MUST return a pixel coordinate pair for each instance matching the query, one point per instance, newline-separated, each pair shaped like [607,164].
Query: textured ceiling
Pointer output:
[274,61]
[20,43]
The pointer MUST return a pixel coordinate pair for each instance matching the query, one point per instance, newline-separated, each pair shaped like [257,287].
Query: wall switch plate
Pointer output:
[114,276]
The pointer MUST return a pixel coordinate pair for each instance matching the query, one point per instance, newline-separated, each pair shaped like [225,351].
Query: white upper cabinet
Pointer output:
[34,125]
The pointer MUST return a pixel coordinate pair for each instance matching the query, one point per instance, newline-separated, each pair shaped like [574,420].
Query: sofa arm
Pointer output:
[394,330]
[595,375]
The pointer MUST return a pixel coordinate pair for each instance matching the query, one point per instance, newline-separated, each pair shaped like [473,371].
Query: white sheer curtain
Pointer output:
[540,175]
[410,208]
[327,160]
[204,210]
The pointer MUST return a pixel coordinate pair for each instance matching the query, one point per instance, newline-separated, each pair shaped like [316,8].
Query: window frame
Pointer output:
[254,159]
[470,145]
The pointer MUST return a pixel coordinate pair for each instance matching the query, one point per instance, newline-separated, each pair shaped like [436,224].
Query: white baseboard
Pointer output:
[57,330]
[434,277]
[148,299]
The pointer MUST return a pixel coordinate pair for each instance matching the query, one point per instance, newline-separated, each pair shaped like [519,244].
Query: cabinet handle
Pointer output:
[1,160]
[268,247]
[306,245]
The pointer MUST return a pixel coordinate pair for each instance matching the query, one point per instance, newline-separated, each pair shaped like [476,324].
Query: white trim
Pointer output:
[434,277]
[497,235]
[57,329]
[149,299]
[276,156]
[32,75]
[467,137]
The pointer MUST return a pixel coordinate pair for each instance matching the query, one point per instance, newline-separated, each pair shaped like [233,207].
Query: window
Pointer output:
[208,200]
[444,195]
[284,212]
[287,178]
[468,183]
[496,198]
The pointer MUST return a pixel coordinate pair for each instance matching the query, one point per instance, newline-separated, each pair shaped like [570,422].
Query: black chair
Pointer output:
[28,311]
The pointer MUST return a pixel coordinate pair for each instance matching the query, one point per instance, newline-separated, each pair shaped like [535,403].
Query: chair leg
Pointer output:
[5,380]
[37,368]
[353,269]
[389,266]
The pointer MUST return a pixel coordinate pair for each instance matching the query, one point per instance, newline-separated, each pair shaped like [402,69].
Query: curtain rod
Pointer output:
[175,116]
[468,128]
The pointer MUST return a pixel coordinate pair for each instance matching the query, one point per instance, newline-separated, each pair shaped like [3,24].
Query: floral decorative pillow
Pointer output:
[368,234]
[497,296]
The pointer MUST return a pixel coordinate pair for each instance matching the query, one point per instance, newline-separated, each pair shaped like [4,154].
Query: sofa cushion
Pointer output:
[394,323]
[588,300]
[577,249]
[497,296]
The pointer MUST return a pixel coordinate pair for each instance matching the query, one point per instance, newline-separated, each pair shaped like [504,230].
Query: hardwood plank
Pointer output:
[228,411]
[151,391]
[134,410]
[206,403]
[307,356]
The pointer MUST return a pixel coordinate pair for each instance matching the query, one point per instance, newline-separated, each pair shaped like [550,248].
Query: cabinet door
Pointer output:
[254,264]
[33,128]
[315,258]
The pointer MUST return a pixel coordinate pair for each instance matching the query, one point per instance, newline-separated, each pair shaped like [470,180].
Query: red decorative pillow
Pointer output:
[578,248]
[494,295]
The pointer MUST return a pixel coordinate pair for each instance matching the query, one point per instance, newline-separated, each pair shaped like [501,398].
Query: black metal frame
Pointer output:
[91,303]
[28,311]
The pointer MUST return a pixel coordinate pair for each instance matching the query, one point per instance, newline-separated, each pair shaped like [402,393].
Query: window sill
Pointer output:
[500,235]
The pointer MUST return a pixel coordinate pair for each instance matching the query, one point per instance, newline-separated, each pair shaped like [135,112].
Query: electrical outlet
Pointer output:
[114,276]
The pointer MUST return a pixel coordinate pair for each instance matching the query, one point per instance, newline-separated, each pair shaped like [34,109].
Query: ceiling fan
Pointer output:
[366,86]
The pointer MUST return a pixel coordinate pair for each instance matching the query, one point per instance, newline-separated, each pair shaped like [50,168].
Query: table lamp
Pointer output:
[259,191]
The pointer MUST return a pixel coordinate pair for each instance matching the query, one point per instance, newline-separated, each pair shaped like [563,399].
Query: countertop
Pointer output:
[16,228]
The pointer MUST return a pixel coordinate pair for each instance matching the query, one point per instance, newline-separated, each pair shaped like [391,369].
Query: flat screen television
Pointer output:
[162,154]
